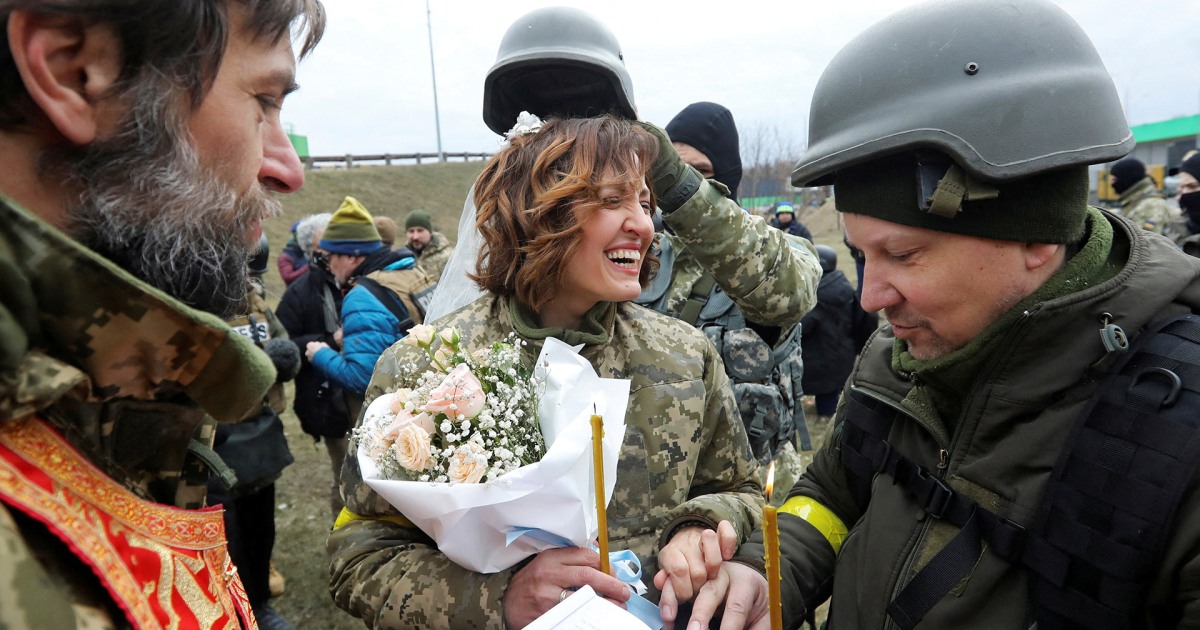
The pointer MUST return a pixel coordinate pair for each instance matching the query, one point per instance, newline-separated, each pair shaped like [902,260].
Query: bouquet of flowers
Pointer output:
[471,419]
[490,459]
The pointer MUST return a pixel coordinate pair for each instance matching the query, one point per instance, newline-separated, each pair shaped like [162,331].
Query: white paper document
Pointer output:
[585,610]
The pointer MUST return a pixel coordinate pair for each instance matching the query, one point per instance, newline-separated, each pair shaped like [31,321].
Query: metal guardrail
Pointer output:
[349,161]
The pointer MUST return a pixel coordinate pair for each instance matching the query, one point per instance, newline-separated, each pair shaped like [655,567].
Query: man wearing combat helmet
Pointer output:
[957,137]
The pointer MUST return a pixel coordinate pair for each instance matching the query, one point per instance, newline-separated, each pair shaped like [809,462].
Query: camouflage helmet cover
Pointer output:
[556,60]
[1006,88]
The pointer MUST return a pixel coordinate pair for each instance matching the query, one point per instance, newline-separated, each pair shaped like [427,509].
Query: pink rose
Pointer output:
[468,464]
[405,418]
[412,448]
[459,395]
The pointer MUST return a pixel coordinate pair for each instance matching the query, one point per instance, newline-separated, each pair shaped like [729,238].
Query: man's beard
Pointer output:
[146,203]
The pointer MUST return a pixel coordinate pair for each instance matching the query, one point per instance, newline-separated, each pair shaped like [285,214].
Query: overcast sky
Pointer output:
[367,88]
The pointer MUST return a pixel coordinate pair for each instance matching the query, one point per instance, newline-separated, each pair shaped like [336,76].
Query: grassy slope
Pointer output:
[391,191]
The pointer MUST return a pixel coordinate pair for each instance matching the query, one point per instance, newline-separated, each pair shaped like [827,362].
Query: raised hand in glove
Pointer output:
[673,180]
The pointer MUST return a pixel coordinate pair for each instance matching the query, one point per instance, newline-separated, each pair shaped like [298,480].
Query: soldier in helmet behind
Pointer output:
[762,359]
[1016,447]
[1140,200]
[561,63]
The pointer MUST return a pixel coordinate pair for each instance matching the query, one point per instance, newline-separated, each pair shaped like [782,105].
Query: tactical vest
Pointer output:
[163,566]
[765,380]
[1110,504]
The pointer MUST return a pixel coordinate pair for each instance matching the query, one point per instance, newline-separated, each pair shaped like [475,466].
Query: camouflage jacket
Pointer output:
[685,460]
[772,277]
[765,276]
[432,260]
[127,374]
[1145,206]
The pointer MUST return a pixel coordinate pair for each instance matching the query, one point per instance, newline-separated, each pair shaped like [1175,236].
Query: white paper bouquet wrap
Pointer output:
[470,521]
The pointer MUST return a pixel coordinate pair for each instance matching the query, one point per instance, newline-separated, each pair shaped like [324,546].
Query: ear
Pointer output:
[1039,255]
[67,69]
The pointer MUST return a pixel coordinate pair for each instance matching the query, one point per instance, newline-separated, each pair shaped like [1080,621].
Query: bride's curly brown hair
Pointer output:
[535,195]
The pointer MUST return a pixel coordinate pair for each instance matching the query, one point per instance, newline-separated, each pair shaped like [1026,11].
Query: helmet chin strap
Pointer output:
[955,187]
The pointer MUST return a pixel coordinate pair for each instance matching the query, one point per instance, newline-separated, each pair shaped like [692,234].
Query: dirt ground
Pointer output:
[302,522]
[302,516]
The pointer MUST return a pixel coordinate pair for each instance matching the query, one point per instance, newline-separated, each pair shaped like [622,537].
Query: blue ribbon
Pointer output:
[628,570]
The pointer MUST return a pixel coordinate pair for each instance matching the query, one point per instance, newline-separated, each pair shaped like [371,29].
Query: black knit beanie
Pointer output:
[709,128]
[1191,166]
[1048,207]
[1127,173]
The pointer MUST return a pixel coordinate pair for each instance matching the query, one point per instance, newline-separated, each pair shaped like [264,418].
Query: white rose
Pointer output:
[468,464]
[411,448]
[449,336]
[419,336]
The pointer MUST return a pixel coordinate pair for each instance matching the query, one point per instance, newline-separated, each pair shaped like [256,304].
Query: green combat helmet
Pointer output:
[1005,89]
[556,61]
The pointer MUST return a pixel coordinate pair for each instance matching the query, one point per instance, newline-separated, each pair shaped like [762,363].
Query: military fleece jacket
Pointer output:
[685,460]
[1016,418]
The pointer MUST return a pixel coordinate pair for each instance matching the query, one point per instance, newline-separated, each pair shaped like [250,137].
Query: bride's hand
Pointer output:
[545,581]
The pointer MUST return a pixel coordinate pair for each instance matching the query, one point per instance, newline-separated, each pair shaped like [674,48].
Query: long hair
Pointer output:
[535,195]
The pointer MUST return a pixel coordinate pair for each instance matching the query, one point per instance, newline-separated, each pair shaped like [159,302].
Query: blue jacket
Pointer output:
[368,328]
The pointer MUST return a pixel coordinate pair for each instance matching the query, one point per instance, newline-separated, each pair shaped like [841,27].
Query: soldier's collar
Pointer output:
[132,340]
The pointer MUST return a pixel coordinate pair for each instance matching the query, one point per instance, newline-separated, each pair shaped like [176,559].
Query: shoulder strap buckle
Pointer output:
[937,493]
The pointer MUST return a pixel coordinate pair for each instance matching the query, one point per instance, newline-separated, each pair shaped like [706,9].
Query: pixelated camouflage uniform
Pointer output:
[685,460]
[762,275]
[1146,207]
[128,375]
[432,260]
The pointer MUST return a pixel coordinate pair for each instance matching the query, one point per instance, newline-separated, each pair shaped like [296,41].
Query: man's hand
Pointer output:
[312,348]
[540,585]
[742,592]
[673,181]
[337,337]
[692,558]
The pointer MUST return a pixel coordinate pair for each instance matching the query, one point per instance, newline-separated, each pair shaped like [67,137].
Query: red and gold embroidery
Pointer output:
[164,566]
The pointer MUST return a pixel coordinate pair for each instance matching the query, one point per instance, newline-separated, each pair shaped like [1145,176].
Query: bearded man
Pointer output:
[140,150]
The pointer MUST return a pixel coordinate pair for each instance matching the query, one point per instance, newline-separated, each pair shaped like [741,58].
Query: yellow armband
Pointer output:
[347,516]
[820,517]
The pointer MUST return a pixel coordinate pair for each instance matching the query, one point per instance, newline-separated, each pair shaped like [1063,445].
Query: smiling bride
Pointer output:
[564,212]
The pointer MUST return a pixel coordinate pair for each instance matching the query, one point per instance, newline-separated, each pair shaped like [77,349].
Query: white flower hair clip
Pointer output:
[526,124]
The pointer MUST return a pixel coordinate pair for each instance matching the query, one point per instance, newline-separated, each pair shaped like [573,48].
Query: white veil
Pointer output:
[455,290]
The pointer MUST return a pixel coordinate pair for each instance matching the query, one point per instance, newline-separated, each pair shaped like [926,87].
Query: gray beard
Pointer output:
[147,204]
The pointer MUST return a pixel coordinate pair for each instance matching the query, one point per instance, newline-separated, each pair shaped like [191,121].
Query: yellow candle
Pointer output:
[771,541]
[601,510]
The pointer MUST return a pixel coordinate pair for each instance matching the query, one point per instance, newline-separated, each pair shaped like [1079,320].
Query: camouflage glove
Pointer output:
[673,180]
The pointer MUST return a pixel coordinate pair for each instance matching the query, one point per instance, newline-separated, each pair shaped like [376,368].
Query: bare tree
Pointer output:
[768,155]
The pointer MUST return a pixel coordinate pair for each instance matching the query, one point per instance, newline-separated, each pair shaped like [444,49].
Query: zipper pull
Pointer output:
[1112,336]
[943,459]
